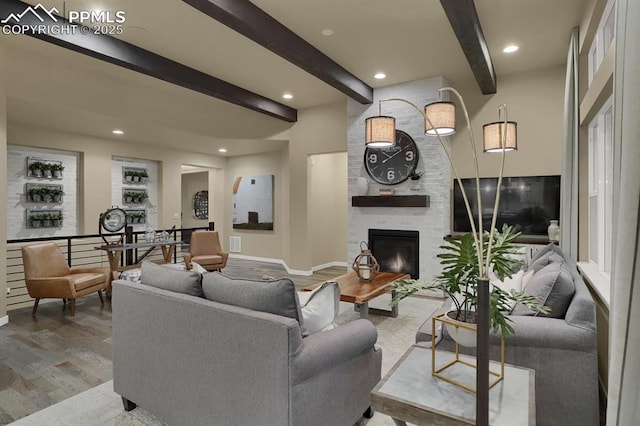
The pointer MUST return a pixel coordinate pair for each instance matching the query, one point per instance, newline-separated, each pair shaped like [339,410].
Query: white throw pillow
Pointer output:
[198,268]
[526,278]
[320,307]
[513,283]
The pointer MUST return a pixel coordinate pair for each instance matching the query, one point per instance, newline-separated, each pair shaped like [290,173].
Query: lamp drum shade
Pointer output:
[493,133]
[380,131]
[443,118]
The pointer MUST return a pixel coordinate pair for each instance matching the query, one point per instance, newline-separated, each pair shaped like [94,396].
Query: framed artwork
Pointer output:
[253,202]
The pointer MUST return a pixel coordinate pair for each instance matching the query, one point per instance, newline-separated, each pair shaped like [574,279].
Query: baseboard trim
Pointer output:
[329,265]
[284,265]
[4,320]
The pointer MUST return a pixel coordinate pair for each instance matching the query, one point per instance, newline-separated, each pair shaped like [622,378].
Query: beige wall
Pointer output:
[535,100]
[266,244]
[319,130]
[328,203]
[192,183]
[3,184]
[95,170]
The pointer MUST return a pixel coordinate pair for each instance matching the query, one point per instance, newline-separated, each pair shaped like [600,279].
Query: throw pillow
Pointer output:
[198,268]
[546,259]
[509,283]
[553,285]
[526,278]
[320,307]
[167,278]
[276,297]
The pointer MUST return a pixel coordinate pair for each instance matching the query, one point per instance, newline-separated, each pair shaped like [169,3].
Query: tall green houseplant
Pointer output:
[460,274]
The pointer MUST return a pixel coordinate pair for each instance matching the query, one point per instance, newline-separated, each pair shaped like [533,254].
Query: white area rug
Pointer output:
[101,406]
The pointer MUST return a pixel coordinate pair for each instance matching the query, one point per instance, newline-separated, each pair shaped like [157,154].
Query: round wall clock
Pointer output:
[392,165]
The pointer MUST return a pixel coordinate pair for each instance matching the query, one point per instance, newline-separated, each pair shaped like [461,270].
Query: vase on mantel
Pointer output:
[362,186]
[553,230]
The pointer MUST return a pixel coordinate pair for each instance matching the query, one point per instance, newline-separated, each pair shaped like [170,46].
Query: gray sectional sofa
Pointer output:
[562,351]
[194,361]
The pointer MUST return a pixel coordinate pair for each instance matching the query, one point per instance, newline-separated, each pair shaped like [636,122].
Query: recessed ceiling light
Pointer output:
[117,132]
[328,32]
[287,96]
[510,48]
[380,76]
[222,150]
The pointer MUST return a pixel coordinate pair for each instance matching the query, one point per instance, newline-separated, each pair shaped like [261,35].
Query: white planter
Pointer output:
[458,332]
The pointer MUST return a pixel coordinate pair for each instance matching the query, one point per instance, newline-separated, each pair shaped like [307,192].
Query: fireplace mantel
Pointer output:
[390,201]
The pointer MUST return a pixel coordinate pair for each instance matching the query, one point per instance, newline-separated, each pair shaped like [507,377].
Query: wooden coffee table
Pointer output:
[359,293]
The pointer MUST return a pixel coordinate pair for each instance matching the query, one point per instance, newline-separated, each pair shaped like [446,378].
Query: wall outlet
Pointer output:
[176,216]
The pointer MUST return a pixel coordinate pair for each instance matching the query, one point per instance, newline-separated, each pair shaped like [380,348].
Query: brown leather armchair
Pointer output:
[48,275]
[205,250]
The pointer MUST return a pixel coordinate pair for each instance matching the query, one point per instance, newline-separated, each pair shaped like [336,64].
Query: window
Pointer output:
[601,187]
[602,38]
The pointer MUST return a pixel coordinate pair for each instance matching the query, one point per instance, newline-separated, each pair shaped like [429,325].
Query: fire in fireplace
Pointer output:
[396,250]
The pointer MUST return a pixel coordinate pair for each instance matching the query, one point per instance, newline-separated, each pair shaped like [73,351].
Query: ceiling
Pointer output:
[52,87]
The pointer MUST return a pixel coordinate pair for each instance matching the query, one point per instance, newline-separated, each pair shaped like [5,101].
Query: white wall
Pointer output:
[16,187]
[117,189]
[432,222]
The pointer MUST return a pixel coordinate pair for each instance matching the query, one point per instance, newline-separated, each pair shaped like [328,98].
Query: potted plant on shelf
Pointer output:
[56,194]
[129,175]
[141,197]
[46,194]
[459,279]
[415,175]
[46,220]
[47,170]
[36,168]
[35,220]
[33,195]
[144,176]
[56,220]
[56,170]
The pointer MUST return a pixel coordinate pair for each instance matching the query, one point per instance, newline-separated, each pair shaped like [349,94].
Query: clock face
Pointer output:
[394,164]
[113,220]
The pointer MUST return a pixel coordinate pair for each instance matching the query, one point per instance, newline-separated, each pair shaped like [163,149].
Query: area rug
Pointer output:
[101,406]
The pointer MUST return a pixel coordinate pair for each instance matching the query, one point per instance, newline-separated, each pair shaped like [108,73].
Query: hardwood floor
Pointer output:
[52,356]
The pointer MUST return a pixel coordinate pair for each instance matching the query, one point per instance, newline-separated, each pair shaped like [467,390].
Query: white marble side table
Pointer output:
[409,393]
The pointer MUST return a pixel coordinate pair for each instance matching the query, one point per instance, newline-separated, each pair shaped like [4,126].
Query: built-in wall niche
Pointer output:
[50,218]
[134,195]
[43,193]
[44,168]
[134,175]
[136,216]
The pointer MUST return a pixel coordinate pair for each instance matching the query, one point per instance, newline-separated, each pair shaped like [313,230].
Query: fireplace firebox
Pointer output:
[396,250]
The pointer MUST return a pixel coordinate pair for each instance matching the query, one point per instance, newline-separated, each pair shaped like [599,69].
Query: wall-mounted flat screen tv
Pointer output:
[528,203]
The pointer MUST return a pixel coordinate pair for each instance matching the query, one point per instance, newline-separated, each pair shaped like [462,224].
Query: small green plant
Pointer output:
[141,196]
[57,167]
[415,175]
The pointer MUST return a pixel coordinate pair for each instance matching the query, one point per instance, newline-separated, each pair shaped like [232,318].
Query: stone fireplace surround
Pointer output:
[431,222]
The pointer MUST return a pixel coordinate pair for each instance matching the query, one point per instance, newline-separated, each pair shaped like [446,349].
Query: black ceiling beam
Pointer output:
[121,53]
[257,25]
[466,25]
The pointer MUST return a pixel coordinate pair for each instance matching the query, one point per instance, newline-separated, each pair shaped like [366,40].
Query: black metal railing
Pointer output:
[80,250]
